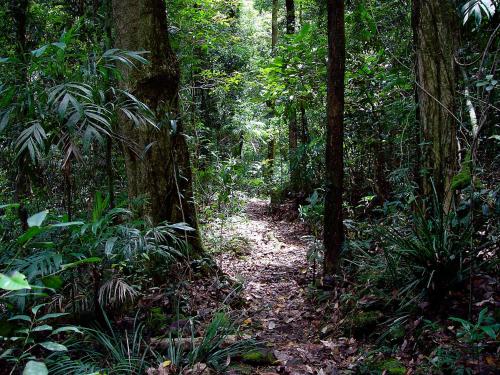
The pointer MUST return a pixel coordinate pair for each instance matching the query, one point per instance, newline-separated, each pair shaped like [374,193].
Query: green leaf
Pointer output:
[21,317]
[497,137]
[6,353]
[66,329]
[43,245]
[51,316]
[37,219]
[110,243]
[43,327]
[68,224]
[489,331]
[53,346]
[82,261]
[35,368]
[10,205]
[16,281]
[53,282]
[35,309]
[28,235]
[181,226]
[39,52]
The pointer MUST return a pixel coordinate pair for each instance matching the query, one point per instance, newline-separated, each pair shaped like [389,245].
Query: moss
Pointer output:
[363,323]
[365,319]
[260,357]
[390,366]
[463,178]
[157,318]
[397,332]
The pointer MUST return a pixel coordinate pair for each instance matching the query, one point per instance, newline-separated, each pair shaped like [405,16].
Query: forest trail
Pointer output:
[273,270]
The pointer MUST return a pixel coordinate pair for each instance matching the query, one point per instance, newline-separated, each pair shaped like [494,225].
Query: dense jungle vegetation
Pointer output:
[249,187]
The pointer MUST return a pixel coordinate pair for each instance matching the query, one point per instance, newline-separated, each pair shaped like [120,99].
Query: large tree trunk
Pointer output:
[158,165]
[436,36]
[334,228]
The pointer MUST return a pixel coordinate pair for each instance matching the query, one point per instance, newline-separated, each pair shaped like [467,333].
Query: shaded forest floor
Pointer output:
[273,268]
[307,330]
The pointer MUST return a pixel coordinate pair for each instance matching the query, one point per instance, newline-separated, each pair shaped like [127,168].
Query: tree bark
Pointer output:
[291,112]
[333,225]
[274,26]
[22,183]
[436,27]
[290,16]
[158,167]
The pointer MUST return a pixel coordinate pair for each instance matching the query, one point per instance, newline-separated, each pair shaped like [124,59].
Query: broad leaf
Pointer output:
[16,281]
[37,219]
[53,346]
[51,316]
[35,368]
[66,329]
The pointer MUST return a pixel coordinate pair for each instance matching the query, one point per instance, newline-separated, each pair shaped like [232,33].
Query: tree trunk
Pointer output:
[269,166]
[334,228]
[436,28]
[291,112]
[274,27]
[290,16]
[158,167]
[295,174]
[22,184]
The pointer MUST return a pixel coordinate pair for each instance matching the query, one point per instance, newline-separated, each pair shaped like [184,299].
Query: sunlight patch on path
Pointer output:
[275,280]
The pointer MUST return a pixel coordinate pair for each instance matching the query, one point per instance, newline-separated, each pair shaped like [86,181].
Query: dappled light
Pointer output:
[249,187]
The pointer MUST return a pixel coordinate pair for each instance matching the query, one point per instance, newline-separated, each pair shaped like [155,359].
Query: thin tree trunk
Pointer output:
[333,225]
[291,112]
[269,166]
[22,185]
[436,27]
[274,26]
[304,130]
[108,43]
[290,16]
[109,171]
[159,167]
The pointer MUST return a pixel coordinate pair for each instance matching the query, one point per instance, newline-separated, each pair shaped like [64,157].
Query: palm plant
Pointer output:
[435,250]
[213,349]
[65,101]
[107,350]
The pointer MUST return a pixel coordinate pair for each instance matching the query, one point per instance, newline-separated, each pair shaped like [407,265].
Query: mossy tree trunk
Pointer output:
[157,159]
[436,36]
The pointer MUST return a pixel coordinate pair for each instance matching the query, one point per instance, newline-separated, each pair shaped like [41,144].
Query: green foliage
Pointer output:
[477,9]
[464,178]
[108,350]
[16,281]
[434,251]
[31,333]
[484,327]
[212,349]
[313,212]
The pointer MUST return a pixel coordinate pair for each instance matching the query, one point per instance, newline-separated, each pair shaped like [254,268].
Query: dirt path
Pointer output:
[274,274]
